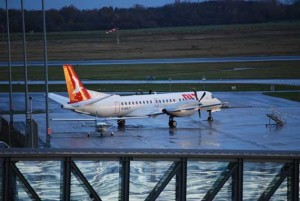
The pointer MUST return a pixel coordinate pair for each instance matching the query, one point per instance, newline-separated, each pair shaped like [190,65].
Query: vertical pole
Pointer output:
[31,137]
[125,176]
[25,59]
[293,182]
[46,76]
[237,181]
[181,178]
[118,40]
[11,117]
[6,180]
[66,187]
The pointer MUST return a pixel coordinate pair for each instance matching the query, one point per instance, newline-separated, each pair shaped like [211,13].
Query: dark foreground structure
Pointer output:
[182,169]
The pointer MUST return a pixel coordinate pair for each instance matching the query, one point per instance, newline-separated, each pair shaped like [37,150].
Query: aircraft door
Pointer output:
[117,107]
[156,102]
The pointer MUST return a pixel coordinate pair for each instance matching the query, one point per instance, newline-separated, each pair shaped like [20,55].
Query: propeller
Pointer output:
[196,95]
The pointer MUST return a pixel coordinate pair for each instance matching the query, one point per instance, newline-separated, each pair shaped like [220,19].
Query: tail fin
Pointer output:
[76,90]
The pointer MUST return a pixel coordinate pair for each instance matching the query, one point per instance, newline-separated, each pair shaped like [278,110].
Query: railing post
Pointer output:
[66,183]
[181,178]
[293,182]
[237,181]
[6,179]
[124,181]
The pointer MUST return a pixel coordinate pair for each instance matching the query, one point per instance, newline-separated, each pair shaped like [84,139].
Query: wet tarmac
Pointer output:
[242,126]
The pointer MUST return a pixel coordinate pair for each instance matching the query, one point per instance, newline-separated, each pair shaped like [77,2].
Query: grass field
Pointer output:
[155,87]
[295,96]
[250,70]
[282,38]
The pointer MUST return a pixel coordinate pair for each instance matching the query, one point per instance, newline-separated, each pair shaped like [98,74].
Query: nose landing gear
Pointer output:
[121,123]
[210,118]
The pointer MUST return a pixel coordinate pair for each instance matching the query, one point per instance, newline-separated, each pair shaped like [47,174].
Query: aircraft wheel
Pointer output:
[121,123]
[172,124]
[210,119]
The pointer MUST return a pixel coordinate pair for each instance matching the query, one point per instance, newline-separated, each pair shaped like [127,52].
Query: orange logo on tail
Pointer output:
[76,90]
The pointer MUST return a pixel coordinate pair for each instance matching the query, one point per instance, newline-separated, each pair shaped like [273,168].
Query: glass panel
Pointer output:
[144,175]
[281,193]
[169,193]
[201,175]
[103,176]
[257,177]
[43,176]
[21,194]
[77,190]
[225,192]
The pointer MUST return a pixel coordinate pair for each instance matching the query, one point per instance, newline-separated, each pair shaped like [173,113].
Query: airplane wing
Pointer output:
[187,106]
[68,119]
[144,112]
[97,119]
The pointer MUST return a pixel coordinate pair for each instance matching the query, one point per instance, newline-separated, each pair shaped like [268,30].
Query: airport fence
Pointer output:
[20,134]
[137,174]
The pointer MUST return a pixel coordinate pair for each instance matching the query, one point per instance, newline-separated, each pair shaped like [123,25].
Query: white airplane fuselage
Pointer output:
[126,106]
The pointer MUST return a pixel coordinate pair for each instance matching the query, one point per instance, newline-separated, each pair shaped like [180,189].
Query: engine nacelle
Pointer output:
[182,109]
[67,106]
[179,113]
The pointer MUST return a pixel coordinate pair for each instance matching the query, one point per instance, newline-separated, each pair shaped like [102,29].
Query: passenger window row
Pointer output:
[149,102]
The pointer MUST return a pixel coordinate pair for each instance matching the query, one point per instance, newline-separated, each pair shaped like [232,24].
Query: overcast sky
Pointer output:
[85,4]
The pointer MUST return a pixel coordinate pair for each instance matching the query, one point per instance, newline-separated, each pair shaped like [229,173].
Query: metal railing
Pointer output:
[13,178]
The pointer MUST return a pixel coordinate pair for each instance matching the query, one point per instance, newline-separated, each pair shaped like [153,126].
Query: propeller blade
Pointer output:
[196,95]
[199,113]
[202,96]
[195,92]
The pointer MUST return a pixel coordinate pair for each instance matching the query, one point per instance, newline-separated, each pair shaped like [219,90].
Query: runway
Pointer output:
[295,82]
[159,61]
[242,126]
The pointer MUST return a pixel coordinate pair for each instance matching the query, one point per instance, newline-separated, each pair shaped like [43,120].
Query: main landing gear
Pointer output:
[172,122]
[121,123]
[210,118]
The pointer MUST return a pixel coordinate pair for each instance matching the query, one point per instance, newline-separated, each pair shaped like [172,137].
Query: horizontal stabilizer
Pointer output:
[65,119]
[58,98]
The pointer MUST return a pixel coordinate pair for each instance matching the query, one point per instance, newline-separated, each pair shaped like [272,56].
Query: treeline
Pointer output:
[71,18]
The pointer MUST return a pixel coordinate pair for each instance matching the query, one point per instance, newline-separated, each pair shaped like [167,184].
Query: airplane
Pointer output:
[120,108]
